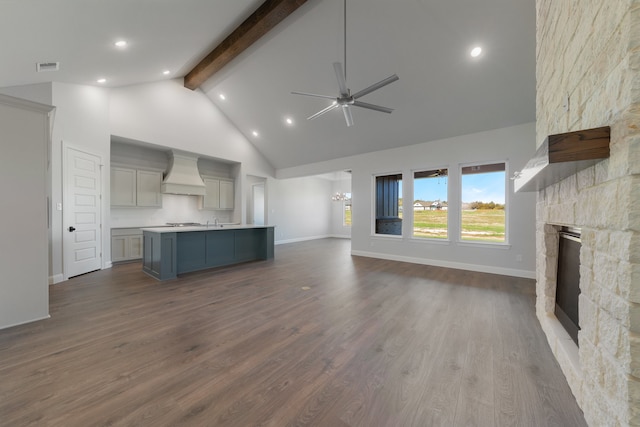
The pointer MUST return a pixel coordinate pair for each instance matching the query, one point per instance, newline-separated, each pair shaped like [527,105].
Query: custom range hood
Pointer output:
[183,176]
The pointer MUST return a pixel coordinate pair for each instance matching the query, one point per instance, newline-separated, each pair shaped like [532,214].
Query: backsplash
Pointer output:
[175,208]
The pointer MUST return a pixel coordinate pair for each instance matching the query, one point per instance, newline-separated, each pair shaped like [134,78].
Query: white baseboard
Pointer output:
[107,264]
[300,239]
[450,264]
[25,322]
[57,278]
[340,236]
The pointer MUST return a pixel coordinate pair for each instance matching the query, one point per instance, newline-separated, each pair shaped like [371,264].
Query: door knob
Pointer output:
[72,228]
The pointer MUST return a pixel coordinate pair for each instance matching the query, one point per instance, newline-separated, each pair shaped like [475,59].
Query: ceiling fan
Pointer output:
[345,99]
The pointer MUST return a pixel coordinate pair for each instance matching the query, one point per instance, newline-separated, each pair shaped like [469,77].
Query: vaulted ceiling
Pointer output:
[442,91]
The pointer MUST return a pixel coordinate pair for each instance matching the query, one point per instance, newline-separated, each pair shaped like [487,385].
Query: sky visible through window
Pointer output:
[430,189]
[483,187]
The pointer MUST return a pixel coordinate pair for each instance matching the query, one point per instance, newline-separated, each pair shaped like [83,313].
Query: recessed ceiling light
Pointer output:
[166,72]
[476,51]
[101,80]
[289,121]
[121,43]
[255,133]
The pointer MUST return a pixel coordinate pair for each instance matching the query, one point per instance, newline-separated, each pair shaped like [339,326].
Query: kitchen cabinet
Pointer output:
[219,194]
[123,187]
[126,244]
[226,194]
[170,251]
[148,188]
[135,188]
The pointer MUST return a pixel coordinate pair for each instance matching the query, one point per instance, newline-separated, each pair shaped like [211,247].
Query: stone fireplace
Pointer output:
[588,75]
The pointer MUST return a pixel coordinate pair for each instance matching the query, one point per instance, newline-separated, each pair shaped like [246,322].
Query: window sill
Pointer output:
[422,240]
[504,246]
[387,236]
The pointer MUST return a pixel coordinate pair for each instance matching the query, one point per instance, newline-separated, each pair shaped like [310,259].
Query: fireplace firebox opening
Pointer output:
[568,280]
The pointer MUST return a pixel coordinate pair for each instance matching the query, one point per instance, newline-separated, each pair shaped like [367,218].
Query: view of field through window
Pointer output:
[430,207]
[483,203]
[346,210]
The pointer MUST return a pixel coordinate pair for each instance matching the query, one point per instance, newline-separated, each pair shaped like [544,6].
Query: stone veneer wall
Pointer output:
[589,51]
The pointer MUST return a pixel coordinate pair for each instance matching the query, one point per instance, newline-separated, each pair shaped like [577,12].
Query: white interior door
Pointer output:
[82,241]
[258,204]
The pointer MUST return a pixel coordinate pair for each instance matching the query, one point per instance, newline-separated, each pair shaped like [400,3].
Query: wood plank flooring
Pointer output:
[370,343]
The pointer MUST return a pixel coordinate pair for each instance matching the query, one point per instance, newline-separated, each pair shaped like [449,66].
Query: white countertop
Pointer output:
[211,227]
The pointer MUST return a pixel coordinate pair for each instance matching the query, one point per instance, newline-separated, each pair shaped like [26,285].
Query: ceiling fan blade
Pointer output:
[313,94]
[347,115]
[376,86]
[342,83]
[324,110]
[372,106]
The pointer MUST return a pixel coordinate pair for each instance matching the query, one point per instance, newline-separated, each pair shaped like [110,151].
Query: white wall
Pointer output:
[513,145]
[300,208]
[24,135]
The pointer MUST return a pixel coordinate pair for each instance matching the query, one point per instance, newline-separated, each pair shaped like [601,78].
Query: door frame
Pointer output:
[66,197]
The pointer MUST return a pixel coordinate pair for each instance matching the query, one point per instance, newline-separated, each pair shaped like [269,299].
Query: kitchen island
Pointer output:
[169,251]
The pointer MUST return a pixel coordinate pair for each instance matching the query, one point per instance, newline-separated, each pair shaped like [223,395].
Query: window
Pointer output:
[483,203]
[346,210]
[388,209]
[430,207]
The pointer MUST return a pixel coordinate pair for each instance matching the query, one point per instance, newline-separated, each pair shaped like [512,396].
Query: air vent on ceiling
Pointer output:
[47,66]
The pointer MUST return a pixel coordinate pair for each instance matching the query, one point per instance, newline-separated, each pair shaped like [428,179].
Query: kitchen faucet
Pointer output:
[215,222]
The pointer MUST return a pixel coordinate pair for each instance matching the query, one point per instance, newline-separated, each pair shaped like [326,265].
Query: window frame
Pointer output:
[374,201]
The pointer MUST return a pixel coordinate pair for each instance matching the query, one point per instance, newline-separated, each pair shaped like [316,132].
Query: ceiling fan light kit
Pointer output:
[345,99]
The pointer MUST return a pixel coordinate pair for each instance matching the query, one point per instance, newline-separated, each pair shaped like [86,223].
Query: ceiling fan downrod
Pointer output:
[345,99]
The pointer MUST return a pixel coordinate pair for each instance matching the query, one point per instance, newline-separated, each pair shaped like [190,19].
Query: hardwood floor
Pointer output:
[314,337]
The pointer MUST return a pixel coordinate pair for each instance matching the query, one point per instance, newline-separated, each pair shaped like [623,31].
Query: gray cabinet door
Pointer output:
[226,194]
[148,189]
[123,187]
[191,252]
[211,200]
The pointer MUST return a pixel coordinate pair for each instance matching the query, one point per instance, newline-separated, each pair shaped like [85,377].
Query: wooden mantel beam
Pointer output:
[266,17]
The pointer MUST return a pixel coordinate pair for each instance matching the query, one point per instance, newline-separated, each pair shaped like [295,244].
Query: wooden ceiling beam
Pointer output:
[266,17]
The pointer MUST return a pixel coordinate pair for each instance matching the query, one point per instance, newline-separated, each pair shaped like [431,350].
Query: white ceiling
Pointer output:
[442,91]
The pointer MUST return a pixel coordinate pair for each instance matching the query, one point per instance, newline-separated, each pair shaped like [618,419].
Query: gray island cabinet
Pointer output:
[169,251]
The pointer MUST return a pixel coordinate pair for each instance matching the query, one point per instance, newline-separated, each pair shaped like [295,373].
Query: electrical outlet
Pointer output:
[519,258]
